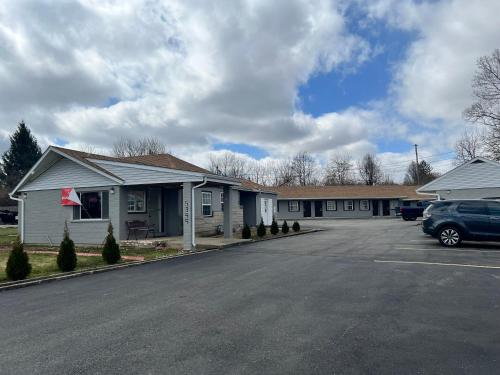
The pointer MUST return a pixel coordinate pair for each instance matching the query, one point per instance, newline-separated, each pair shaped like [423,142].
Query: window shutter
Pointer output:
[105,204]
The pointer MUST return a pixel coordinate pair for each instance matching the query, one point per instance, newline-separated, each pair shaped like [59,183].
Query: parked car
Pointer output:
[8,217]
[411,213]
[453,221]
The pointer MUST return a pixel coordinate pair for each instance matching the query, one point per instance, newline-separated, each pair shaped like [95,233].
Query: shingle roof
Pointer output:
[162,160]
[349,191]
[253,186]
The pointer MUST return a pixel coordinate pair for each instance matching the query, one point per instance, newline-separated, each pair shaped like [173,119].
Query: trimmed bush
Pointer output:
[261,229]
[111,249]
[66,259]
[284,228]
[18,266]
[274,228]
[246,233]
[296,226]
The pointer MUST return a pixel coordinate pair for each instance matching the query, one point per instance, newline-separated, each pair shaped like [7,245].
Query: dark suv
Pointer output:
[456,220]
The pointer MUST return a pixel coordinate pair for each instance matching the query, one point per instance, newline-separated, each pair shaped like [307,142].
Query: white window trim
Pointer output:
[345,205]
[293,210]
[136,211]
[205,204]
[80,207]
[334,205]
[367,206]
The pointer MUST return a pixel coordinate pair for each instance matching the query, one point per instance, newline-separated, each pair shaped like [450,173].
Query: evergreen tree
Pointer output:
[261,229]
[66,259]
[296,226]
[284,228]
[274,227]
[18,266]
[20,157]
[111,249]
[246,233]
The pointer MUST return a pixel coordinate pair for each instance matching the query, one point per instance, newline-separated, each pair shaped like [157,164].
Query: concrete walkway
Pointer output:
[177,242]
[126,257]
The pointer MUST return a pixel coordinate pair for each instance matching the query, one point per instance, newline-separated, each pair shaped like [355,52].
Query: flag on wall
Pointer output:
[69,197]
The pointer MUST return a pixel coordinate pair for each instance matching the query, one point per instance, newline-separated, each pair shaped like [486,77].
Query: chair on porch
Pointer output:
[134,226]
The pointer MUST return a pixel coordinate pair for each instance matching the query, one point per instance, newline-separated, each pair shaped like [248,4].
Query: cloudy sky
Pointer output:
[258,77]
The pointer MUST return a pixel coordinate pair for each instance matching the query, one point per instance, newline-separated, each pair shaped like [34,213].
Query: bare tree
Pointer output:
[370,170]
[228,164]
[419,175]
[281,173]
[305,169]
[486,109]
[339,170]
[137,147]
[470,146]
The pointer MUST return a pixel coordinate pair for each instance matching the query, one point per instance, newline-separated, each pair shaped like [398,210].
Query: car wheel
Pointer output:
[405,218]
[412,218]
[449,237]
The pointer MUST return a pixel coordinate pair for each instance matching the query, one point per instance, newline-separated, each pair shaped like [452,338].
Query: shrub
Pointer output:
[284,228]
[66,259]
[18,266]
[246,233]
[111,249]
[274,227]
[261,229]
[296,226]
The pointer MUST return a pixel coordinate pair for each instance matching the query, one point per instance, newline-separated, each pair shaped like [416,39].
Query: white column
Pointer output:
[228,211]
[187,215]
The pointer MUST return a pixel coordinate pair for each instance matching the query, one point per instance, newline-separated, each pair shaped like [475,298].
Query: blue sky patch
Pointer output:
[253,151]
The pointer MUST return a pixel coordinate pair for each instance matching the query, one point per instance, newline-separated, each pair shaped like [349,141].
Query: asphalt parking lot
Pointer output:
[363,296]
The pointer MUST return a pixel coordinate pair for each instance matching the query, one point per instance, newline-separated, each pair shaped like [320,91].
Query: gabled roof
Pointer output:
[475,174]
[349,192]
[253,186]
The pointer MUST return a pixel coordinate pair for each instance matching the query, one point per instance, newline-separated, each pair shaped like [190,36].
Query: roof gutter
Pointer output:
[193,234]
[21,224]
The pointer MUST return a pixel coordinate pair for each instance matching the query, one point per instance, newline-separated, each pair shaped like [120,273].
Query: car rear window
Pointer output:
[472,208]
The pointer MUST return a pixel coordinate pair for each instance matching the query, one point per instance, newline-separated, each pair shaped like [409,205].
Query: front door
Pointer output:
[318,208]
[307,208]
[386,208]
[266,210]
[375,208]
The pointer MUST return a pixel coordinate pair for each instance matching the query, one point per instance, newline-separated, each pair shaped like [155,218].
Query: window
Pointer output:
[206,203]
[293,206]
[349,205]
[95,206]
[364,205]
[331,205]
[472,208]
[494,208]
[222,201]
[137,201]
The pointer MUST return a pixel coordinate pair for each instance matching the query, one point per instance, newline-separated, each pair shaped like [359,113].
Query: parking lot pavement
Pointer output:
[362,296]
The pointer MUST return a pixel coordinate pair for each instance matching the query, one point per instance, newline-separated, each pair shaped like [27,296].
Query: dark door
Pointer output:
[386,208]
[318,208]
[307,208]
[474,215]
[494,211]
[375,207]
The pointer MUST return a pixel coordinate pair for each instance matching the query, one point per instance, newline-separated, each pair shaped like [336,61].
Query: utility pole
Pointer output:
[418,166]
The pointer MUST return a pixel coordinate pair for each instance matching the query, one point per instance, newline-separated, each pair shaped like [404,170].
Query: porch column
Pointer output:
[187,215]
[228,211]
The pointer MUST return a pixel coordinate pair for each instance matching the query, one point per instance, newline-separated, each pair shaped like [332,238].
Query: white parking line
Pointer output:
[448,250]
[437,264]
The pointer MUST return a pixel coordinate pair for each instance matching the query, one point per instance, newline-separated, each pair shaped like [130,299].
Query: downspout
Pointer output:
[22,215]
[193,234]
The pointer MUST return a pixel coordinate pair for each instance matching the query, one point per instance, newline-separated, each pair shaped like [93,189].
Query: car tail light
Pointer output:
[427,213]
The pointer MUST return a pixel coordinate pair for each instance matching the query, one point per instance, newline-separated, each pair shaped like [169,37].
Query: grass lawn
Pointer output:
[45,264]
[7,235]
[146,252]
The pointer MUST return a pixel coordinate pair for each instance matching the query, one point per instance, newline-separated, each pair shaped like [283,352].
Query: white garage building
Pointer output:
[478,178]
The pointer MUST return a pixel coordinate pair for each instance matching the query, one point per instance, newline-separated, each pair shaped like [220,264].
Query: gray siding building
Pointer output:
[477,178]
[170,195]
[347,201]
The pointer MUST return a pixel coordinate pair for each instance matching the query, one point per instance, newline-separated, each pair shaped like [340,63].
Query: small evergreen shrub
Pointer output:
[111,249]
[296,226]
[274,228]
[284,228]
[18,266]
[261,229]
[246,233]
[66,259]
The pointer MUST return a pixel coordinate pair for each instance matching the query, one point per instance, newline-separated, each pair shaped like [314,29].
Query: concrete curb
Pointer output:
[70,275]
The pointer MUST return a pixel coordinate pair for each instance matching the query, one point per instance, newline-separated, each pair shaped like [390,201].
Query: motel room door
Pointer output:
[266,210]
[318,208]
[386,207]
[375,207]
[307,208]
